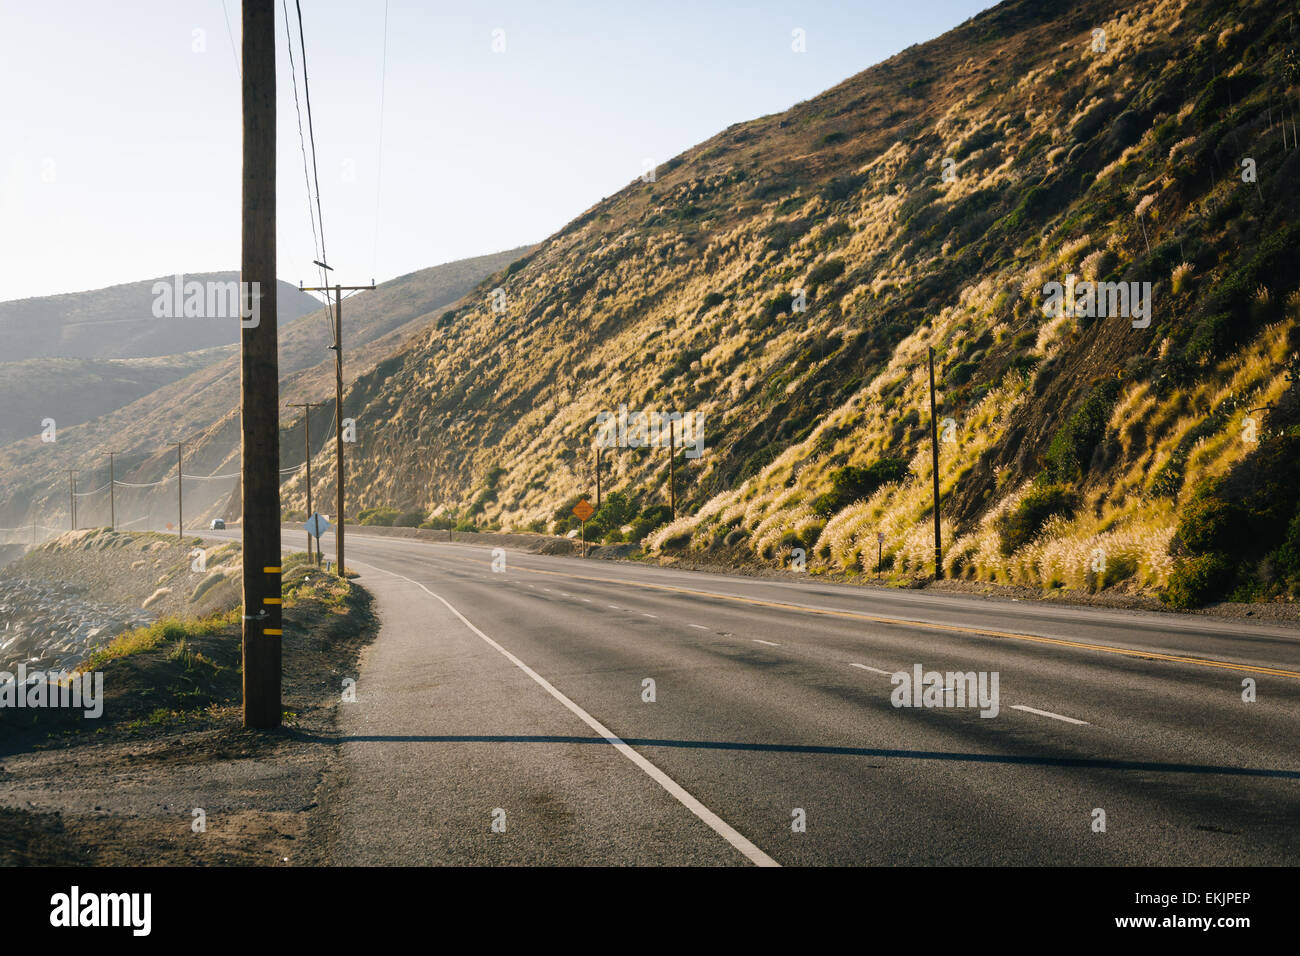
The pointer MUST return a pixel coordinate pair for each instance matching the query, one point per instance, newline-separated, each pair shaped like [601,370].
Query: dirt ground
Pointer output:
[169,752]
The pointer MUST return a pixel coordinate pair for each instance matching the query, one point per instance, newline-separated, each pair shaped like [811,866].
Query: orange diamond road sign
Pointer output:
[583,510]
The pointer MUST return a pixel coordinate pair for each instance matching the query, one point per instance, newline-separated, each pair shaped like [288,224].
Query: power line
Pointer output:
[231,33]
[311,132]
[379,177]
[318,245]
[306,175]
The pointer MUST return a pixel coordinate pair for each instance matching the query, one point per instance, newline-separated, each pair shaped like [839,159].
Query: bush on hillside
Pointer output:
[1020,525]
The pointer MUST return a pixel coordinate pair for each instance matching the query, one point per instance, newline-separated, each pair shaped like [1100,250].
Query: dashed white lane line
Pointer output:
[874,670]
[588,600]
[768,643]
[715,822]
[699,626]
[647,614]
[616,607]
[1048,713]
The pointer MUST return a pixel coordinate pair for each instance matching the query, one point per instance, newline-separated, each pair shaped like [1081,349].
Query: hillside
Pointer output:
[203,407]
[119,323]
[72,391]
[928,202]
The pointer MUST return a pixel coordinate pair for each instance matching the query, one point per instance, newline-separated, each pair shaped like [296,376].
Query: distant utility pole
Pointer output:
[72,497]
[306,422]
[597,450]
[259,383]
[934,447]
[180,501]
[112,502]
[672,473]
[338,395]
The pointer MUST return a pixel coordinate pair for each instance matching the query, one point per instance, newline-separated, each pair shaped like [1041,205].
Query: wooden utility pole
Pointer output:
[338,396]
[259,382]
[672,473]
[112,497]
[934,446]
[306,422]
[72,498]
[180,501]
[597,450]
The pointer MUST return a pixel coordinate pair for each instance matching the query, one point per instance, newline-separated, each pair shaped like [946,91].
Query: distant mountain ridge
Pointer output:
[135,407]
[118,322]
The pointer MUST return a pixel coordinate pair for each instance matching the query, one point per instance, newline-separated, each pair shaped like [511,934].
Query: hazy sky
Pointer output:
[120,123]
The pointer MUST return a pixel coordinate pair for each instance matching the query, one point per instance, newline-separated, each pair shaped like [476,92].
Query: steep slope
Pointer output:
[787,277]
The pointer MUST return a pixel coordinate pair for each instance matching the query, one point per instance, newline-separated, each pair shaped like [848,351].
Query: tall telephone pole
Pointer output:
[934,447]
[306,421]
[180,500]
[72,497]
[259,382]
[338,396]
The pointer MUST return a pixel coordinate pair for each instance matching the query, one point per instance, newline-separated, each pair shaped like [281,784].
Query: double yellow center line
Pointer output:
[928,626]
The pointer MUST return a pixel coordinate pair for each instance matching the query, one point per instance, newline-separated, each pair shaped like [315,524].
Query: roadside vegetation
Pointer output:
[788,277]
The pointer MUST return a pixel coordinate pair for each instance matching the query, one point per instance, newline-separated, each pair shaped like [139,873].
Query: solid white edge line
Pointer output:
[874,670]
[718,825]
[768,643]
[699,626]
[1048,713]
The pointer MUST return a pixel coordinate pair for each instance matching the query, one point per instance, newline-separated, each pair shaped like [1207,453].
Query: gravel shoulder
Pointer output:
[131,787]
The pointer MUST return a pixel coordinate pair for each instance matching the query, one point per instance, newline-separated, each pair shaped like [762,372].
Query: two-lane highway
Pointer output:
[571,711]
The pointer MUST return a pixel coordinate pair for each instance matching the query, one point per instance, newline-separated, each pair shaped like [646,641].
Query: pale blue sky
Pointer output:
[119,150]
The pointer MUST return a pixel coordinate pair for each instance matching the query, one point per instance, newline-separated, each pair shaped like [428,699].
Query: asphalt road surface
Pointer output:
[504,717]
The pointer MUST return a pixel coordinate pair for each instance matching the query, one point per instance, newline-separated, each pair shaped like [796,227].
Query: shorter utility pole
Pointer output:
[934,445]
[72,497]
[180,501]
[306,421]
[338,394]
[112,498]
[672,473]
[597,449]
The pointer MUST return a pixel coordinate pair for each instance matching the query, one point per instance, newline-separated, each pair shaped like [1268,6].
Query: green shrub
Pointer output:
[1287,558]
[961,373]
[853,483]
[1209,523]
[677,542]
[1018,527]
[1198,580]
[1071,450]
[656,516]
[828,271]
[382,517]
